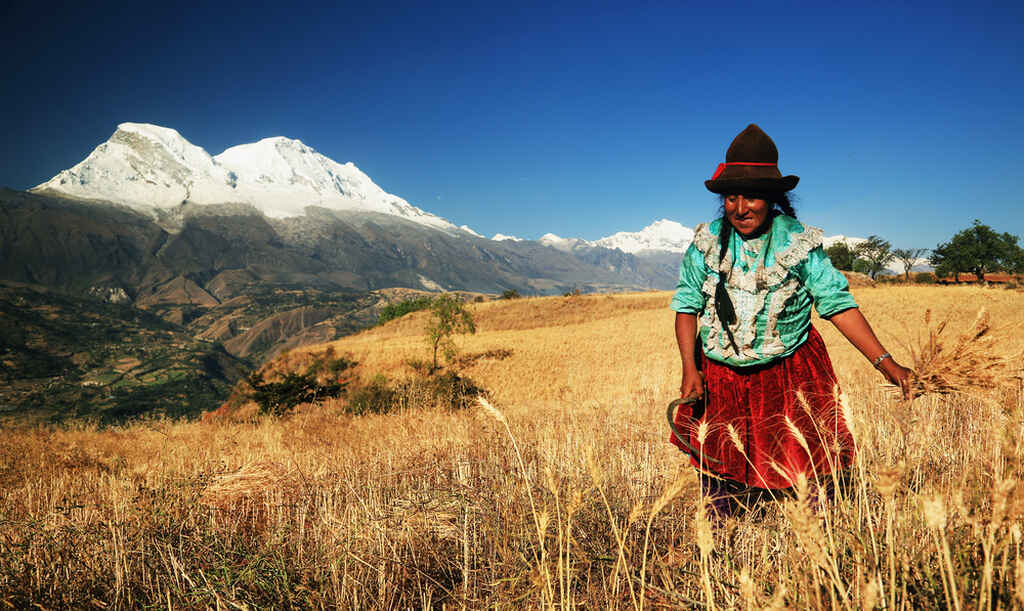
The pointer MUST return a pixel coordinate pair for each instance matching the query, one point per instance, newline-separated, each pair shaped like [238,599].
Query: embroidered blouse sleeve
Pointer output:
[689,299]
[827,286]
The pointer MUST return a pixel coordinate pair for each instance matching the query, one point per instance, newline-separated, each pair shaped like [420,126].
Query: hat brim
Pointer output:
[724,186]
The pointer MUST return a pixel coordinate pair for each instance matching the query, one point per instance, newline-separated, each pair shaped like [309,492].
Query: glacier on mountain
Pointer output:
[148,168]
[660,236]
[563,244]
[663,235]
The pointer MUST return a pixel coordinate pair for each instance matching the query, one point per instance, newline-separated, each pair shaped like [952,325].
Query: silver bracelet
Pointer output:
[885,355]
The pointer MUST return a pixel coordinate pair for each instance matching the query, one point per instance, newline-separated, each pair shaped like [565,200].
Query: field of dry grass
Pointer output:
[561,491]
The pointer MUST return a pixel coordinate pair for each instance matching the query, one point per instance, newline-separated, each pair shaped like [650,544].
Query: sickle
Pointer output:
[697,454]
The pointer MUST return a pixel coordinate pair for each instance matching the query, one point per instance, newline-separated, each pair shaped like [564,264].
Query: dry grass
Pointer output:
[974,360]
[562,491]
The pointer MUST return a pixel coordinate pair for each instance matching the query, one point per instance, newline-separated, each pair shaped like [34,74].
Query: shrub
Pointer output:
[279,397]
[510,294]
[447,390]
[397,310]
[420,366]
[452,390]
[329,363]
[374,398]
[925,278]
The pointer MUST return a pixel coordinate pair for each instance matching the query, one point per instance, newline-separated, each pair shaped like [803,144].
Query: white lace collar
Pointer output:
[790,242]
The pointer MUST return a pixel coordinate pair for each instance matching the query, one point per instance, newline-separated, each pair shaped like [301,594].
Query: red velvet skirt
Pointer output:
[766,424]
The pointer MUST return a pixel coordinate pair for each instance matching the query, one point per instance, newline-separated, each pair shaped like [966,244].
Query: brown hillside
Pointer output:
[284,327]
[231,282]
[179,291]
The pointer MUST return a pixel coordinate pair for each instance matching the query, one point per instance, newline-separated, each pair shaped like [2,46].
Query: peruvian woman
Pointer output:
[762,408]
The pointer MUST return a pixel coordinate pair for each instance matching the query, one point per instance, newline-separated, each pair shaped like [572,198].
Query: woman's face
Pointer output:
[747,215]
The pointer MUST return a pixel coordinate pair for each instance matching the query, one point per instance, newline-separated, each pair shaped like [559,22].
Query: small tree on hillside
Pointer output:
[979,250]
[875,252]
[908,257]
[841,255]
[448,317]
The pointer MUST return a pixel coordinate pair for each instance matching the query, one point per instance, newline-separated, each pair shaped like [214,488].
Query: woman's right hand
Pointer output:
[692,385]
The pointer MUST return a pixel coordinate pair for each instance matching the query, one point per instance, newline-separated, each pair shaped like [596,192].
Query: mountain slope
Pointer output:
[66,357]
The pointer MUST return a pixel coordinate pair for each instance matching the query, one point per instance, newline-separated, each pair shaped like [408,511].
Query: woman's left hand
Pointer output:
[897,374]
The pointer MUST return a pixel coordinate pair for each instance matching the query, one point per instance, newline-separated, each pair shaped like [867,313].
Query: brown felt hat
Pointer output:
[751,166]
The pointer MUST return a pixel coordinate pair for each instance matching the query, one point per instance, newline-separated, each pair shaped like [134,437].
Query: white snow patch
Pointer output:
[830,241]
[148,167]
[663,235]
[563,244]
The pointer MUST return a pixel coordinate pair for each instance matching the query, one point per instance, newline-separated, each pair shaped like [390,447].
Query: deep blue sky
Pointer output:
[579,118]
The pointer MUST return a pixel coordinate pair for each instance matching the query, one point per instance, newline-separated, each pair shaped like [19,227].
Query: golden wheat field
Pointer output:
[557,491]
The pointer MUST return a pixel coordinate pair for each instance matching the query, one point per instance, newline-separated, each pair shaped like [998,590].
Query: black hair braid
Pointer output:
[723,240]
[724,309]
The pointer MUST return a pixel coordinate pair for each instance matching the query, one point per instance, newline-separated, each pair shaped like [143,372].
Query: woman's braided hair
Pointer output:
[724,309]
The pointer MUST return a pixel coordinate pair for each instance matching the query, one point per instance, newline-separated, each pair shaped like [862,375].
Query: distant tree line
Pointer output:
[870,256]
[977,250]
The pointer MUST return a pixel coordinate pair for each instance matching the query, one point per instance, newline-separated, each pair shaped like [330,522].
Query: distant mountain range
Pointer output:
[156,171]
[296,211]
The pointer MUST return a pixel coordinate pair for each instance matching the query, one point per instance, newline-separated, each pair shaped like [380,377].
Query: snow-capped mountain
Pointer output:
[663,235]
[563,244]
[829,241]
[659,236]
[148,167]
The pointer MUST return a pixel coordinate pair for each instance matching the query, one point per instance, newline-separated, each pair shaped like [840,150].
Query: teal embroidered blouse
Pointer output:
[772,279]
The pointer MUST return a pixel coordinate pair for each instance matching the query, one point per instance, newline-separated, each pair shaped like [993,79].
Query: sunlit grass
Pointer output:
[561,491]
